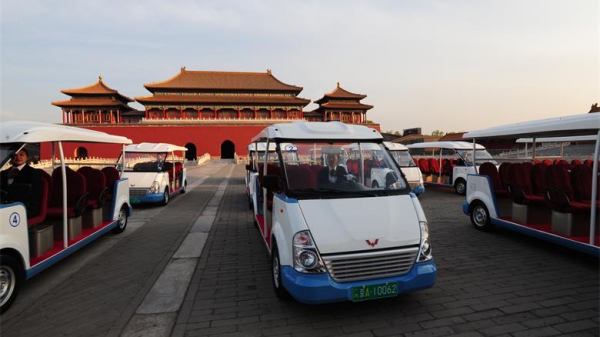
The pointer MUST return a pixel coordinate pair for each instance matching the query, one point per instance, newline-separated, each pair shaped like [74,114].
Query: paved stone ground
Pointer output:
[489,284]
[102,296]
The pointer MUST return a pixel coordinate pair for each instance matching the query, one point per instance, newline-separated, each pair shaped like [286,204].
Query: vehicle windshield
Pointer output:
[319,169]
[146,162]
[7,151]
[403,158]
[482,156]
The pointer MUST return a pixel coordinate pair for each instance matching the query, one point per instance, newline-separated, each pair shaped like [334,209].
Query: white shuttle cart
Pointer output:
[454,160]
[560,215]
[256,152]
[408,166]
[156,172]
[30,244]
[331,235]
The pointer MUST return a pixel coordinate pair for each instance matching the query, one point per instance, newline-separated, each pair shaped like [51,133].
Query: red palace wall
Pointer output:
[206,138]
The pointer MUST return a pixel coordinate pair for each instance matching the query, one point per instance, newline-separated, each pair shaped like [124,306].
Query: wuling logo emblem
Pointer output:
[374,243]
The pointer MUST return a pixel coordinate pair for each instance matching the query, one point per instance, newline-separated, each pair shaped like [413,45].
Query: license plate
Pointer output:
[134,200]
[374,291]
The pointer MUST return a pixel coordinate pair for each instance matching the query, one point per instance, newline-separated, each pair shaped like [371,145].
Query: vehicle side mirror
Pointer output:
[271,182]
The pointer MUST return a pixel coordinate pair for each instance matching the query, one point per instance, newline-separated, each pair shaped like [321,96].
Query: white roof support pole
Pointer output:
[594,210]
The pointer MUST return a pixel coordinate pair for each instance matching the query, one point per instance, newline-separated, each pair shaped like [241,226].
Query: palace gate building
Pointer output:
[206,111]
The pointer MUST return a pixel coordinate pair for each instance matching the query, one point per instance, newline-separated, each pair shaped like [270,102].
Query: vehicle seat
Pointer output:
[520,188]
[581,180]
[434,167]
[490,170]
[95,186]
[424,166]
[76,194]
[503,171]
[538,179]
[559,191]
[43,197]
[111,175]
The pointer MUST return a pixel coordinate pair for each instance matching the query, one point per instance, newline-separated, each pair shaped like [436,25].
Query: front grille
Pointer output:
[138,192]
[370,265]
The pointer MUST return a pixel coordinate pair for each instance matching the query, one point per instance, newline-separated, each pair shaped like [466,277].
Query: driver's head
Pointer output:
[159,157]
[20,158]
[333,160]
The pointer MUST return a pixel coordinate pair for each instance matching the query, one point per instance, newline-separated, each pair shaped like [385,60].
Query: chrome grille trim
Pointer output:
[138,192]
[370,265]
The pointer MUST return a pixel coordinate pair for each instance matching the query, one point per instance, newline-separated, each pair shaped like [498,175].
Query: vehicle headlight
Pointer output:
[154,187]
[425,251]
[306,257]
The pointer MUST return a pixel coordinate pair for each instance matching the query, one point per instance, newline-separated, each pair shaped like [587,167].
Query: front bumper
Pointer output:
[320,288]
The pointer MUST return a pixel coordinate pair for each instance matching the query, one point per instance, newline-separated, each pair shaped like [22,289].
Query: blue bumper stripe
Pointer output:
[320,288]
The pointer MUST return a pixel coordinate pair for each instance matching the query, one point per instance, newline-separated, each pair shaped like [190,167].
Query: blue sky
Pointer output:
[439,65]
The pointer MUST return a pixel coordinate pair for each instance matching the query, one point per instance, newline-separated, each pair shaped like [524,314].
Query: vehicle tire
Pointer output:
[276,274]
[184,189]
[250,205]
[165,200]
[460,186]
[480,216]
[374,184]
[122,220]
[11,277]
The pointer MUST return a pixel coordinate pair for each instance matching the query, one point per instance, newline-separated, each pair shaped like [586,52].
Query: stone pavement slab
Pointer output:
[489,284]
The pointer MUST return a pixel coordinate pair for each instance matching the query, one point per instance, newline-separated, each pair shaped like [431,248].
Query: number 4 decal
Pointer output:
[15,219]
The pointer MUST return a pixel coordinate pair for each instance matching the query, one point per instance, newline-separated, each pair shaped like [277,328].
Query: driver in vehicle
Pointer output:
[333,173]
[22,183]
[159,162]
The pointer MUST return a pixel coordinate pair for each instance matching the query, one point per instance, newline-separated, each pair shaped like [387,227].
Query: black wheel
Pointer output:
[121,221]
[165,200]
[374,184]
[276,274]
[460,186]
[250,205]
[11,277]
[480,216]
[184,188]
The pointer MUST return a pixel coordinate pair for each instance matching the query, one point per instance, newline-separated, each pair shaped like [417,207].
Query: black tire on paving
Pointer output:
[165,200]
[122,220]
[11,277]
[480,216]
[184,189]
[374,184]
[276,274]
[460,186]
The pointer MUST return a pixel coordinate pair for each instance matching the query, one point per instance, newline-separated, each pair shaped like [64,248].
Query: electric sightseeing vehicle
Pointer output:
[156,172]
[256,152]
[331,235]
[447,164]
[557,202]
[408,166]
[75,206]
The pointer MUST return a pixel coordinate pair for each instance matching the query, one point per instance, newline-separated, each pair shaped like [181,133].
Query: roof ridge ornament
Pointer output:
[100,78]
[338,84]
[182,69]
[269,71]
